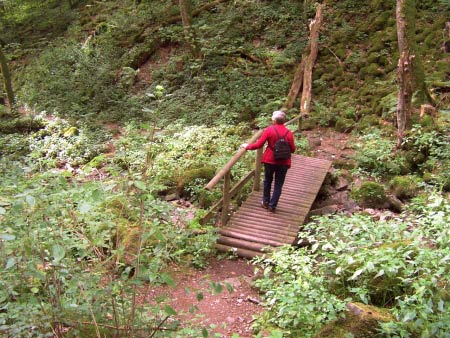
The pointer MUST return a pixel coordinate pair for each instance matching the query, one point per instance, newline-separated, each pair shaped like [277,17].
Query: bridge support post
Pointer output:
[258,165]
[226,198]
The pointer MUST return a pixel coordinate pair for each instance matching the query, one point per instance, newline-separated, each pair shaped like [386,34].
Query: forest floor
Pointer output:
[229,313]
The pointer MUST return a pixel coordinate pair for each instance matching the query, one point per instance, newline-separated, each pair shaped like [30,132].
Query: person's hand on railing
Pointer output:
[244,145]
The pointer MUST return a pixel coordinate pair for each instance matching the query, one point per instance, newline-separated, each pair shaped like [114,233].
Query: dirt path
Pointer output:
[224,313]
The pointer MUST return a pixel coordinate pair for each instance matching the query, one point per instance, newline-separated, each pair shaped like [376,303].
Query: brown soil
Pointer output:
[230,311]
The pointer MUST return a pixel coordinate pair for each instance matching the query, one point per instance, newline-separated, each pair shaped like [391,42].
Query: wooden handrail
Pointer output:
[227,167]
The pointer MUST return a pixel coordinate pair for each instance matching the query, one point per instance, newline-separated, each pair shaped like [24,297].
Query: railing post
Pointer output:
[257,177]
[226,198]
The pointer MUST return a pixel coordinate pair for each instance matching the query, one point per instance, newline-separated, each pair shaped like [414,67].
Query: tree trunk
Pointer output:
[314,27]
[296,86]
[7,82]
[189,33]
[406,30]
[404,73]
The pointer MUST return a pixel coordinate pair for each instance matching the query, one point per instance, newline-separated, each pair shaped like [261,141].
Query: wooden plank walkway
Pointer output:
[252,230]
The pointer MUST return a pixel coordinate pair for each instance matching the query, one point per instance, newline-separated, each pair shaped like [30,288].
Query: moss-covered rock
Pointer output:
[372,70]
[206,173]
[20,125]
[405,187]
[344,124]
[413,159]
[370,195]
[368,122]
[360,321]
[344,164]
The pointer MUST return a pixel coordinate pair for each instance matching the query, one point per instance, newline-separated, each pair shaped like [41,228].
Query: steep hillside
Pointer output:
[113,55]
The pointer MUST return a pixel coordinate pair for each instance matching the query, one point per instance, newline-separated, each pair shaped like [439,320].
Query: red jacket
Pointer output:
[271,137]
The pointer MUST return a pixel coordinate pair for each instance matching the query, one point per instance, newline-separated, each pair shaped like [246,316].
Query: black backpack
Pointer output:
[281,149]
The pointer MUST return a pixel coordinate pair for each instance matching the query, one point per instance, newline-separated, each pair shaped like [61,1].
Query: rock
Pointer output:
[234,282]
[171,197]
[329,209]
[394,203]
[341,184]
[316,142]
[230,320]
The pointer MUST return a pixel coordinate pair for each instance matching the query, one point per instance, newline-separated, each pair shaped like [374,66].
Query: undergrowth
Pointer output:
[399,264]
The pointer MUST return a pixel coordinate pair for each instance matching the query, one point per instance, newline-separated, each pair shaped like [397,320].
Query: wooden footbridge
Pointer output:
[252,230]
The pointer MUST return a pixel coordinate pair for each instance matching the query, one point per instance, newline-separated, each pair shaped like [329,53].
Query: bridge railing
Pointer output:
[229,192]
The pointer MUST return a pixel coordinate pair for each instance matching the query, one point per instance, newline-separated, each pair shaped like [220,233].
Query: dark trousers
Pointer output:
[279,172]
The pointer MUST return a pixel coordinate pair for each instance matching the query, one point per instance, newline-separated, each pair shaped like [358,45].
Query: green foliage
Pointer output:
[428,150]
[72,80]
[299,299]
[400,264]
[17,125]
[374,156]
[59,143]
[179,150]
[62,236]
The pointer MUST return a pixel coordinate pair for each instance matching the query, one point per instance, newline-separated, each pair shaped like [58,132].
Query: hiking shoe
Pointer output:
[271,209]
[265,205]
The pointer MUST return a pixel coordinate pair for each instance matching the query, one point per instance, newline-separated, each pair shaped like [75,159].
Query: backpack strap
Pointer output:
[278,135]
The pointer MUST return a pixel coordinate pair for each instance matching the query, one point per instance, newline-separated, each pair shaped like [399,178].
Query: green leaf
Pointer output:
[85,207]
[167,279]
[7,237]
[205,333]
[10,262]
[96,195]
[229,287]
[380,273]
[199,296]
[356,274]
[169,310]
[34,290]
[193,308]
[58,253]
[2,211]
[216,288]
[140,185]
[4,203]
[30,201]
[276,334]
[409,316]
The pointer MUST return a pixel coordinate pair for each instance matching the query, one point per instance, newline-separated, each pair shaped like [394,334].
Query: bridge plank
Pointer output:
[251,229]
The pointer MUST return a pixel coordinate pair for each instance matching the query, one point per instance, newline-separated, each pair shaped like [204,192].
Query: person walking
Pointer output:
[274,168]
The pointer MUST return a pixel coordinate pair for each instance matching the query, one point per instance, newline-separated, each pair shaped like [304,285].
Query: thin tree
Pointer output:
[189,34]
[314,27]
[7,82]
[410,73]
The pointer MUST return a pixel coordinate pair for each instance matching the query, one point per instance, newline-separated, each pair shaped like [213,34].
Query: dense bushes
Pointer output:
[398,264]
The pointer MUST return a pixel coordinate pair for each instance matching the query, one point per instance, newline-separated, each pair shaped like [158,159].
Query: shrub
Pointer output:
[398,264]
[375,157]
[59,143]
[299,299]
